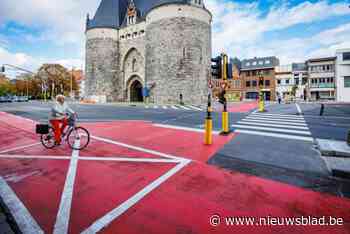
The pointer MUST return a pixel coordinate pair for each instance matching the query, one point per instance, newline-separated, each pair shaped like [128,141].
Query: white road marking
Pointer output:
[15,177]
[275,122]
[279,115]
[137,148]
[277,119]
[62,219]
[195,108]
[183,128]
[273,129]
[298,107]
[26,223]
[174,107]
[184,107]
[115,213]
[141,160]
[165,107]
[18,148]
[277,135]
[34,157]
[155,107]
[263,123]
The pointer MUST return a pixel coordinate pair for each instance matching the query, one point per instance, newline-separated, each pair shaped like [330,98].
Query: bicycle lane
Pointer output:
[182,203]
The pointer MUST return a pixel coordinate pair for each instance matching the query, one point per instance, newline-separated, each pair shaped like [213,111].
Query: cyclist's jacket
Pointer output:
[59,111]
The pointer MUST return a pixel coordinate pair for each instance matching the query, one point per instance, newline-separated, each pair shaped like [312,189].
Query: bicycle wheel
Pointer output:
[48,140]
[78,133]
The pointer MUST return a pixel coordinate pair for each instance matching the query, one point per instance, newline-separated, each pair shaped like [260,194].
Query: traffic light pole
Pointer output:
[208,139]
[225,116]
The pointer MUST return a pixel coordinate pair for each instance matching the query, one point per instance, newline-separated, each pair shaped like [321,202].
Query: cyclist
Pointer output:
[58,119]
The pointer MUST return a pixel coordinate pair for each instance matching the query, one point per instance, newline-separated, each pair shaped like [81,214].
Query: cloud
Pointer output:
[239,28]
[32,64]
[60,22]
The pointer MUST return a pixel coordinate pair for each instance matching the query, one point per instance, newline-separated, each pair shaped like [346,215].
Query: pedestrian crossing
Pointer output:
[174,107]
[275,125]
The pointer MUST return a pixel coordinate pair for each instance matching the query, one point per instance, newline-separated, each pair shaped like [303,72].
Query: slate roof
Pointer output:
[111,13]
[260,63]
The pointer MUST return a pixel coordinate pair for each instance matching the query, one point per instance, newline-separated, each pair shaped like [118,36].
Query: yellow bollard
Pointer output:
[225,128]
[261,106]
[208,140]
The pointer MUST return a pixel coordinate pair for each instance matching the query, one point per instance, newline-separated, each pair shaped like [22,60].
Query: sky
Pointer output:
[34,32]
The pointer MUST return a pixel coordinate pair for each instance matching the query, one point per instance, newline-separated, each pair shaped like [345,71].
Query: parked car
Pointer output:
[15,99]
[2,99]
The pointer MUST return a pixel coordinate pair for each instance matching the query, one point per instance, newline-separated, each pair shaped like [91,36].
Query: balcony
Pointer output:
[322,86]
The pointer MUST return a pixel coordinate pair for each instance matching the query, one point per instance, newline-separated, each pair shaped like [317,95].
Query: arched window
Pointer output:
[133,65]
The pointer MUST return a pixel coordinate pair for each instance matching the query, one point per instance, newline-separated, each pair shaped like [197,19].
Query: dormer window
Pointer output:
[197,2]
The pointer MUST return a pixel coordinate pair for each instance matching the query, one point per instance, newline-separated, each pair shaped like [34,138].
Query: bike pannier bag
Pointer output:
[42,129]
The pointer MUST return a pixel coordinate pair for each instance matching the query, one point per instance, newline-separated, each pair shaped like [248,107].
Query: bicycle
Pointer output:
[70,134]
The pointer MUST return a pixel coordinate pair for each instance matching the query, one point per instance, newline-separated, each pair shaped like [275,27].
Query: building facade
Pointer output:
[300,75]
[285,84]
[164,46]
[252,70]
[343,75]
[321,79]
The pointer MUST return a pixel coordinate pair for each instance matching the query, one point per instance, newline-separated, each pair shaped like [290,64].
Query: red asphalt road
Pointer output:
[239,107]
[182,204]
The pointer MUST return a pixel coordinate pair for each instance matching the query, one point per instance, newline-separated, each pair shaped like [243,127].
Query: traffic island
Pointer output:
[336,155]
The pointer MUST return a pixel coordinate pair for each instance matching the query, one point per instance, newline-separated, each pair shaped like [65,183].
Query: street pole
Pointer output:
[225,117]
[71,83]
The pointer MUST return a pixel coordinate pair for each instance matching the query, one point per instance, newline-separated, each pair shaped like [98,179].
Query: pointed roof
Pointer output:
[111,13]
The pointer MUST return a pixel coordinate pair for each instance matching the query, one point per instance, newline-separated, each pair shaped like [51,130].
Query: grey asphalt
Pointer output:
[289,161]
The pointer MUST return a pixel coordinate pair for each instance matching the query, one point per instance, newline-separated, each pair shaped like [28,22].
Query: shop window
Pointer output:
[346,81]
[267,83]
[247,83]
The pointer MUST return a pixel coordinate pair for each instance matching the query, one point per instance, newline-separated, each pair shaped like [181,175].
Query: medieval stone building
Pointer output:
[163,45]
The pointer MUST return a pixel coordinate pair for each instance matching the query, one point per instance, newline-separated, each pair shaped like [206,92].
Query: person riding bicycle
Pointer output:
[59,116]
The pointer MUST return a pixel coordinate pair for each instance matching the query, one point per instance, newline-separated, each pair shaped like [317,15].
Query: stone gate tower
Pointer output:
[164,45]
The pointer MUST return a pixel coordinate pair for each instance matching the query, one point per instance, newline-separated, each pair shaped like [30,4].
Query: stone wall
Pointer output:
[178,52]
[102,68]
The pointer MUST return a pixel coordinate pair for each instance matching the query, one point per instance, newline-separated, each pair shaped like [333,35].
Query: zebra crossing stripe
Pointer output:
[174,107]
[276,135]
[195,108]
[184,107]
[165,107]
[279,115]
[276,120]
[155,107]
[273,129]
[273,124]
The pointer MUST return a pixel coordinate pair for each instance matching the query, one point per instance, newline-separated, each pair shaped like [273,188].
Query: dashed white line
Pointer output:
[298,107]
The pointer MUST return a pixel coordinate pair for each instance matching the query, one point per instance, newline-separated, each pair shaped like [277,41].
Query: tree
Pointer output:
[57,79]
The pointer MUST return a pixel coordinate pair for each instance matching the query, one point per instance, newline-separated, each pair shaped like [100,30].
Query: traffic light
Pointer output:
[2,69]
[229,71]
[261,82]
[216,67]
[222,98]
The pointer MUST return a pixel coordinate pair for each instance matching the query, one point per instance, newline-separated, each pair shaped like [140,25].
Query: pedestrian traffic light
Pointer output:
[222,98]
[261,81]
[2,69]
[224,66]
[216,67]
